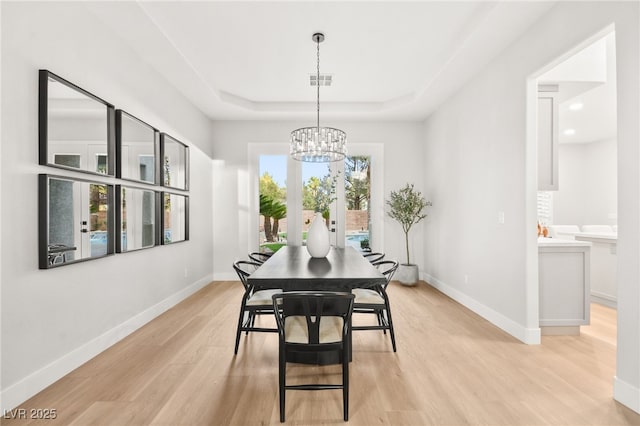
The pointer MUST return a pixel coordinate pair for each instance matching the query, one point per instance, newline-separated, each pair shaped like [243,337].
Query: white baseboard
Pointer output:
[529,336]
[604,299]
[225,276]
[626,394]
[19,392]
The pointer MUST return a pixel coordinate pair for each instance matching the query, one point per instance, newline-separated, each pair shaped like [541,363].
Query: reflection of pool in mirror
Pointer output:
[175,218]
[75,222]
[137,220]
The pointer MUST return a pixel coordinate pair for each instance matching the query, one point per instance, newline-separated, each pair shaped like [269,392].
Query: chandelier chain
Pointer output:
[318,81]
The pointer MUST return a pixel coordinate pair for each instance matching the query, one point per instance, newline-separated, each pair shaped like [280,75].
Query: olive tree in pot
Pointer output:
[407,206]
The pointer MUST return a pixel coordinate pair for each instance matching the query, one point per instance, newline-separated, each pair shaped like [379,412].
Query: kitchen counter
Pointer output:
[557,242]
[600,237]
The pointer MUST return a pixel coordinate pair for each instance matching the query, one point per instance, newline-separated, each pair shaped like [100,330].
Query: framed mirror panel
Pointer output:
[137,147]
[175,218]
[175,163]
[75,128]
[136,219]
[75,220]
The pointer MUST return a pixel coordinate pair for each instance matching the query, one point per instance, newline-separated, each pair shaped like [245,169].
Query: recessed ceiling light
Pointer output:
[576,106]
[570,132]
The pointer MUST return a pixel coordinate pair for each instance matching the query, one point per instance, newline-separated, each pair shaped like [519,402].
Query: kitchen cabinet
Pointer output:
[604,265]
[564,285]
[548,141]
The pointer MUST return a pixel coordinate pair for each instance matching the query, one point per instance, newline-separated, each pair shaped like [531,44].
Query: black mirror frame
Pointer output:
[156,148]
[163,141]
[43,122]
[118,205]
[162,217]
[43,220]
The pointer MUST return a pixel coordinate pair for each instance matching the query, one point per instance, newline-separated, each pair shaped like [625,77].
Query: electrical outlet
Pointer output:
[186,272]
[466,279]
[501,218]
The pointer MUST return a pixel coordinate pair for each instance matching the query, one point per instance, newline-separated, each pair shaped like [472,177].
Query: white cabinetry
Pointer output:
[547,141]
[604,265]
[564,285]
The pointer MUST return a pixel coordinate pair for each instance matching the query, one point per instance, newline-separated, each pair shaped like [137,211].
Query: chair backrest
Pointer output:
[259,257]
[374,257]
[244,268]
[313,317]
[387,268]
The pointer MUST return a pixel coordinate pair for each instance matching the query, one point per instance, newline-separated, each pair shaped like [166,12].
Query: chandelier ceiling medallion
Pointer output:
[318,144]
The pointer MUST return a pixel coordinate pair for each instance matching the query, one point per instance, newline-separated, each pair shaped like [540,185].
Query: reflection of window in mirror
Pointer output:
[69,160]
[175,162]
[101,163]
[175,218]
[136,146]
[75,223]
[76,127]
[137,218]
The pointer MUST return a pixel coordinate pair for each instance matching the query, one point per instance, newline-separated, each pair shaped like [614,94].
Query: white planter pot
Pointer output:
[407,274]
[318,243]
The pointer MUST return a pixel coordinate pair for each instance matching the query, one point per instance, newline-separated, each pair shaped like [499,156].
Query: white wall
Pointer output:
[402,164]
[588,190]
[476,161]
[54,320]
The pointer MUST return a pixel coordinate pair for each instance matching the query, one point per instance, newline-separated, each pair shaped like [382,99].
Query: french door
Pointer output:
[286,195]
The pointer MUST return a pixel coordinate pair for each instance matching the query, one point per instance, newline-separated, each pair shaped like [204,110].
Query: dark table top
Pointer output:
[292,268]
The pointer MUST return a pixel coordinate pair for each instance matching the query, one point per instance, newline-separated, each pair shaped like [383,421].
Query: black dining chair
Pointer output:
[313,322]
[254,302]
[259,257]
[375,301]
[374,257]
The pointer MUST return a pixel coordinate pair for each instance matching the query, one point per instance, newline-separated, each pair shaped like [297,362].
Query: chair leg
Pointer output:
[345,383]
[381,321]
[249,322]
[282,370]
[238,331]
[390,323]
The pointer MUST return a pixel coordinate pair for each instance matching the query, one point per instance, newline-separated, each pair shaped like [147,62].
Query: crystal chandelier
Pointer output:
[318,144]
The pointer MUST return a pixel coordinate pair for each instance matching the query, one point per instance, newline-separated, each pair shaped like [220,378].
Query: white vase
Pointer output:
[318,238]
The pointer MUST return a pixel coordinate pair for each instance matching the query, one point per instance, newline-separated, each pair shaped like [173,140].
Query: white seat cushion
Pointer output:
[365,295]
[262,297]
[296,331]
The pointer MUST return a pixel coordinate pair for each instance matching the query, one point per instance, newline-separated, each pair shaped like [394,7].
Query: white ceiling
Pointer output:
[252,60]
[587,78]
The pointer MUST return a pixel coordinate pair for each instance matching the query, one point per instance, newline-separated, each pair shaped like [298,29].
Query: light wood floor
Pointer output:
[451,368]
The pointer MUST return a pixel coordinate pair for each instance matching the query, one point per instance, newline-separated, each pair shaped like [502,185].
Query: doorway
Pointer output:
[576,185]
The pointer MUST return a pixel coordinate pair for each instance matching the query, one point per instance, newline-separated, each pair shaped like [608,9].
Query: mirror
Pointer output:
[75,127]
[175,164]
[75,220]
[136,148]
[175,218]
[136,221]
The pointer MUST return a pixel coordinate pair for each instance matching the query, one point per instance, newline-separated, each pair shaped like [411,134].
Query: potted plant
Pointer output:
[407,207]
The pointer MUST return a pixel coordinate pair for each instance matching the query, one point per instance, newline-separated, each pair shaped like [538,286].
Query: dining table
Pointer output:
[292,268]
